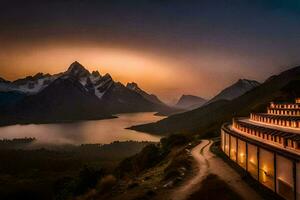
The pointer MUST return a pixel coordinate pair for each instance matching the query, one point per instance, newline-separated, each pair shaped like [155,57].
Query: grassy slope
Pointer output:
[208,119]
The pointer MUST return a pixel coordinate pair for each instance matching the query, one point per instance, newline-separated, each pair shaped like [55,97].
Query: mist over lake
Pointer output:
[96,131]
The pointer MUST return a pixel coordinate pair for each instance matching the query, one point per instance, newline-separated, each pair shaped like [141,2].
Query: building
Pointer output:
[267,146]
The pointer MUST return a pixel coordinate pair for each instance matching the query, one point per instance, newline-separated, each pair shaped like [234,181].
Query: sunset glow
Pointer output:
[163,54]
[128,99]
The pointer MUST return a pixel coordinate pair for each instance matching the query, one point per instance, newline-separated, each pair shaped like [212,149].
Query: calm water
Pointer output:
[99,131]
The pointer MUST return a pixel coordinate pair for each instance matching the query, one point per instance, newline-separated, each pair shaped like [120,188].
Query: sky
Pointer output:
[169,47]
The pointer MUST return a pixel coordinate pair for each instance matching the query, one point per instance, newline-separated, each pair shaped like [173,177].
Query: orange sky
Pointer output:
[169,48]
[150,71]
[166,75]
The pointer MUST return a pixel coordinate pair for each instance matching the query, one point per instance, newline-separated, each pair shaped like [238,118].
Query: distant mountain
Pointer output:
[190,102]
[207,120]
[64,99]
[72,95]
[30,84]
[9,94]
[2,80]
[237,89]
[150,97]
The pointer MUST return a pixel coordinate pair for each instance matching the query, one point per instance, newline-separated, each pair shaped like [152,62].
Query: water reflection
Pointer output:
[98,131]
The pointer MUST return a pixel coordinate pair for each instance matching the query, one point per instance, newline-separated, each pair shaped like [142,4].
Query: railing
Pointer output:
[286,105]
[268,119]
[285,112]
[264,134]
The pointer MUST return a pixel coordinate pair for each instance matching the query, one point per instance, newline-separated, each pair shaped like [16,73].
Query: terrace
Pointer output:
[279,137]
[284,111]
[279,120]
[286,105]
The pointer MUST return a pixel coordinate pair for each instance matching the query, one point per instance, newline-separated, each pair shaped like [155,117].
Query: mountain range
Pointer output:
[75,94]
[190,102]
[150,97]
[235,90]
[78,94]
[207,120]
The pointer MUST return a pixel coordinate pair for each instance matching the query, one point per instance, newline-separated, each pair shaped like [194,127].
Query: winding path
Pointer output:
[208,163]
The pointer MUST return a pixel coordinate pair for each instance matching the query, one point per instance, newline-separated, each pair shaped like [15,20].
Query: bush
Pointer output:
[106,184]
[133,185]
[175,168]
[88,178]
[168,143]
[134,165]
[69,187]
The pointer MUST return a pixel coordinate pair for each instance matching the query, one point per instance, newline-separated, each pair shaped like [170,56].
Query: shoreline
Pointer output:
[70,121]
[56,121]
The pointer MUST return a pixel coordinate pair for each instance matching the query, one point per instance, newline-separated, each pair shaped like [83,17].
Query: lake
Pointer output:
[96,131]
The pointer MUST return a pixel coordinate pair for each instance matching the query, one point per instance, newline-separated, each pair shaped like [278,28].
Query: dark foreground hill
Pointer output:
[208,119]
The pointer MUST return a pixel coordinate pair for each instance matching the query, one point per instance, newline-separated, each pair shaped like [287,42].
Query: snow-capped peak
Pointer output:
[93,82]
[250,83]
[237,89]
[107,76]
[102,85]
[2,80]
[77,70]
[96,73]
[29,84]
[133,86]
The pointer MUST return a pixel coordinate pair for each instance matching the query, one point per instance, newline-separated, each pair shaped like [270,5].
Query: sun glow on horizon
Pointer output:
[153,73]
[166,74]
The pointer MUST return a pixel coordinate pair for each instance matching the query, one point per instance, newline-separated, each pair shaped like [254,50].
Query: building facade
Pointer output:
[267,146]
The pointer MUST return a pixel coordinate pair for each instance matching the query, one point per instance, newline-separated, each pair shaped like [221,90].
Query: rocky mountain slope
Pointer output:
[150,97]
[71,95]
[190,102]
[235,90]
